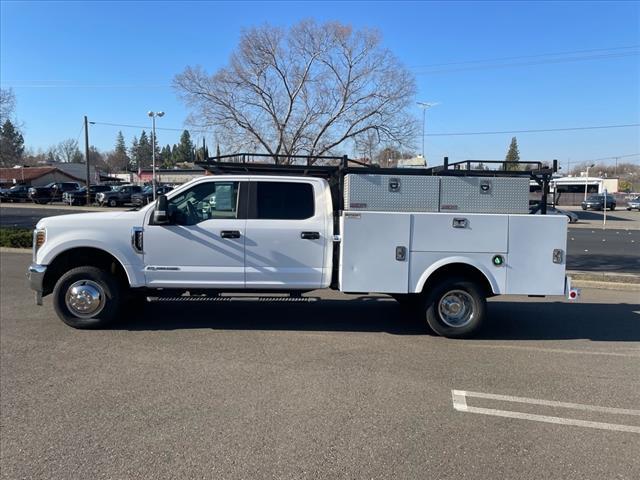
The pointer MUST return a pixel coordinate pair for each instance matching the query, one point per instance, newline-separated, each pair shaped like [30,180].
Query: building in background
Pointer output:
[415,162]
[36,176]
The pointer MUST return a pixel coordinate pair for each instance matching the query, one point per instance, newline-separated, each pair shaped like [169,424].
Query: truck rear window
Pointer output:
[284,200]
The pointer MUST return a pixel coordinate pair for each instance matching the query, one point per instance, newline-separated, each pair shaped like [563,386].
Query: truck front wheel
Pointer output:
[87,297]
[455,308]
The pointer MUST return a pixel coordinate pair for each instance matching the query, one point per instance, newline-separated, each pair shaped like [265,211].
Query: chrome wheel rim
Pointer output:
[85,298]
[456,308]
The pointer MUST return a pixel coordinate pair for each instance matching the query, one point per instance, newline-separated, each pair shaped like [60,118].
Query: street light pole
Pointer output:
[153,116]
[586,180]
[424,106]
[424,122]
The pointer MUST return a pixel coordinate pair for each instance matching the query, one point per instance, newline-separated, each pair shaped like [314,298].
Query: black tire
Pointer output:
[584,208]
[113,202]
[111,291]
[474,298]
[613,207]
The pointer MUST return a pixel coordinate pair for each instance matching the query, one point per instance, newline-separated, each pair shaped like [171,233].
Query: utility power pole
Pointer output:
[86,156]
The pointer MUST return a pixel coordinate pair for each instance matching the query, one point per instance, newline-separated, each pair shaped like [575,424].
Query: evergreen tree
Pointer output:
[120,157]
[144,151]
[11,145]
[218,151]
[153,141]
[513,156]
[184,150]
[166,159]
[134,160]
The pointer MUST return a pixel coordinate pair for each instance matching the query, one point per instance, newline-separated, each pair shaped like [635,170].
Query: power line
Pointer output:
[532,130]
[530,63]
[611,53]
[124,125]
[612,157]
[44,84]
[519,57]
[541,130]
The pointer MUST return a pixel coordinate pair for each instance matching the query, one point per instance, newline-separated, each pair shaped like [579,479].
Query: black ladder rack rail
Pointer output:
[333,169]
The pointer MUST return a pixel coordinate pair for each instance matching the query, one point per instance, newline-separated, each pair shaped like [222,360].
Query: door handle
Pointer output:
[230,234]
[310,235]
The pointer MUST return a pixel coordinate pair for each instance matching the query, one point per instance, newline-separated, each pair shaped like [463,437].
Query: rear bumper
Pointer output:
[35,275]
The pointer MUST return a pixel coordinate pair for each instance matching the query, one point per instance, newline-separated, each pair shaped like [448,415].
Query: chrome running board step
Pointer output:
[203,298]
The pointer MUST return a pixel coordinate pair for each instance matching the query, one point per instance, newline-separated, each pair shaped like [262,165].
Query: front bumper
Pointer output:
[35,274]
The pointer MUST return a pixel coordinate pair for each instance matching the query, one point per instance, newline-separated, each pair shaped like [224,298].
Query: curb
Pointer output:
[62,206]
[14,250]
[604,277]
[626,287]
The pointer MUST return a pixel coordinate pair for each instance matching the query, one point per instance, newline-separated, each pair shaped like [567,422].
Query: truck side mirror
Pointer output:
[160,214]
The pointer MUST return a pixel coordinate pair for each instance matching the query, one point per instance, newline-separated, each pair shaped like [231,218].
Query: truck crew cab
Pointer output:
[419,235]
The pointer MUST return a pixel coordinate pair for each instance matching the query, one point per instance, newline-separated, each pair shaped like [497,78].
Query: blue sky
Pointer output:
[114,61]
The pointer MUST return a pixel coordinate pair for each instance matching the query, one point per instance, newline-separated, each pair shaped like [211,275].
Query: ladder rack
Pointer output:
[334,168]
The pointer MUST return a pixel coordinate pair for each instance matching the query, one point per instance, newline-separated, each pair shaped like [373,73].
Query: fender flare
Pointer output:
[64,247]
[491,280]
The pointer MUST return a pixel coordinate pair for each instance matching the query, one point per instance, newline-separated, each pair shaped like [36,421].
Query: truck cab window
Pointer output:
[284,201]
[204,201]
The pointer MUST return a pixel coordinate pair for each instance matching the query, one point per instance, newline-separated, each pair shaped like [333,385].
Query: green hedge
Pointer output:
[16,237]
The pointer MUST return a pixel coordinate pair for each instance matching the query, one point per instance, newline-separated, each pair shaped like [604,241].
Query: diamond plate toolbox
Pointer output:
[484,194]
[391,193]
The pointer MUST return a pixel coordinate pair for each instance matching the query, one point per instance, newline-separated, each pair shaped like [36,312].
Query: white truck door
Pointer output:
[204,244]
[286,235]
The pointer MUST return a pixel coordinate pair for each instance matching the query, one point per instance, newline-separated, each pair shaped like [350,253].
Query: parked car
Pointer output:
[79,197]
[52,192]
[634,204]
[17,193]
[597,202]
[119,195]
[146,195]
[551,210]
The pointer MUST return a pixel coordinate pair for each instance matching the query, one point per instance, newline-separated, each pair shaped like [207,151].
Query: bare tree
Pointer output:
[306,90]
[7,104]
[68,151]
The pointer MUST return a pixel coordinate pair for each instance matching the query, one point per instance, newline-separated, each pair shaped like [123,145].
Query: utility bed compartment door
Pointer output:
[459,232]
[368,252]
[530,266]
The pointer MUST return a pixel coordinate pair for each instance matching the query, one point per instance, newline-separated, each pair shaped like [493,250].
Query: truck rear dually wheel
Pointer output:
[455,308]
[87,297]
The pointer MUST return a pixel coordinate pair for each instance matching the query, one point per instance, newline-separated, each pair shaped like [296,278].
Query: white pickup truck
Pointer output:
[282,233]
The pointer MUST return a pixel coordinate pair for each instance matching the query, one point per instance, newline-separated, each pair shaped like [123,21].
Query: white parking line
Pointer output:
[459,398]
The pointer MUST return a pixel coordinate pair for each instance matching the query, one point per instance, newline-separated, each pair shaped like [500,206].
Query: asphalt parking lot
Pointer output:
[345,387]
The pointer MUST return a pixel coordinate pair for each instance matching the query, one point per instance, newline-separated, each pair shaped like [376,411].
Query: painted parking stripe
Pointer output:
[459,398]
